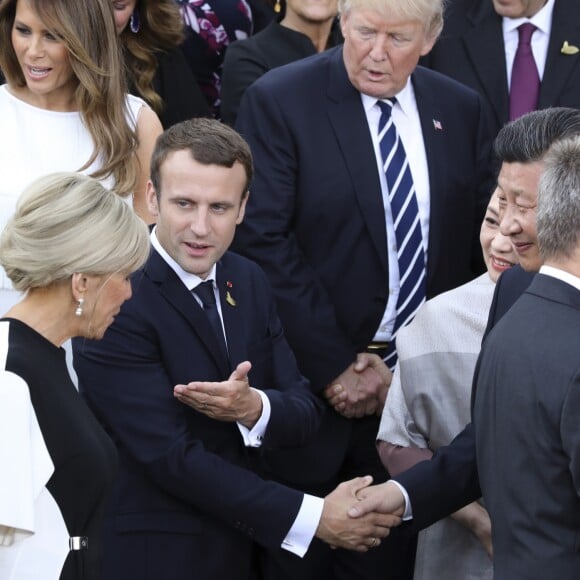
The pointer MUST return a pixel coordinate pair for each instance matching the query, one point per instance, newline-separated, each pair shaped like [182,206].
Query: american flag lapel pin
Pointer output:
[437,125]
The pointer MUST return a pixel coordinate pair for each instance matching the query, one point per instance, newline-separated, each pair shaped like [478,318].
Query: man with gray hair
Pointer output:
[528,397]
[370,185]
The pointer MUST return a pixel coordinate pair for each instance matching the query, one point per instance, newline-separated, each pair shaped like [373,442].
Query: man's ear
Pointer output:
[151,198]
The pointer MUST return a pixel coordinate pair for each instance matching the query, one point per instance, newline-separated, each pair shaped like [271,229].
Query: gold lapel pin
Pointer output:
[229,299]
[569,48]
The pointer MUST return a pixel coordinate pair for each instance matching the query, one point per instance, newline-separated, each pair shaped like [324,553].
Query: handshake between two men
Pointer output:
[355,516]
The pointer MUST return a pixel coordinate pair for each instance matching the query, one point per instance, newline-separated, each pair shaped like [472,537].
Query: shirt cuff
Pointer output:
[305,525]
[253,437]
[408,513]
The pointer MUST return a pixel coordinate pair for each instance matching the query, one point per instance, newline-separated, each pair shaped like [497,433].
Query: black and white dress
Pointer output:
[56,464]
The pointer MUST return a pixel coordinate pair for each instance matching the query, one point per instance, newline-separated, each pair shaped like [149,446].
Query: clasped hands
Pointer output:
[358,515]
[361,389]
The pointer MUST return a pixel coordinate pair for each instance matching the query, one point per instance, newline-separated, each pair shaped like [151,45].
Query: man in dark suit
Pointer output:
[188,502]
[433,489]
[321,222]
[478,44]
[529,460]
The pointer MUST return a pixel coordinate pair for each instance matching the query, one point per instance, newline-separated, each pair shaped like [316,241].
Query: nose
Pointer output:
[501,244]
[200,222]
[36,46]
[379,51]
[509,224]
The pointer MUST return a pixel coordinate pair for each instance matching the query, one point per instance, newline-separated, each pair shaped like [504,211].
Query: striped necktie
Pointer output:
[405,212]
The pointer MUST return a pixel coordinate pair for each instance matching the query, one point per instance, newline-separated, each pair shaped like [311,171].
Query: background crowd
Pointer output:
[276,376]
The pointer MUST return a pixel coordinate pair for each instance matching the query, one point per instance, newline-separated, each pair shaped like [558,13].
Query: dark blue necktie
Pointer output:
[405,212]
[205,293]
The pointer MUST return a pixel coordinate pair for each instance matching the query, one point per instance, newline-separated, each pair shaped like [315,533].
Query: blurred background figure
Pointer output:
[65,107]
[306,27]
[70,246]
[429,404]
[211,26]
[520,55]
[151,32]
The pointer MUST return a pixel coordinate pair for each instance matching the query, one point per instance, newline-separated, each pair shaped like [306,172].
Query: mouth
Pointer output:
[37,72]
[499,264]
[521,247]
[197,249]
[375,75]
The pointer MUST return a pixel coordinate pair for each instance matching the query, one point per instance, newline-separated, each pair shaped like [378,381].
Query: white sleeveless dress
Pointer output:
[34,142]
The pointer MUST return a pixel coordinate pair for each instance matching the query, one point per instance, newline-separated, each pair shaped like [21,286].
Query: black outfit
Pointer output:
[247,60]
[84,457]
[177,86]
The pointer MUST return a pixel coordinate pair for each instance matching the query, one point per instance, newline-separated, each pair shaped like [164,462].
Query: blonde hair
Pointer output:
[66,223]
[161,29]
[430,12]
[87,30]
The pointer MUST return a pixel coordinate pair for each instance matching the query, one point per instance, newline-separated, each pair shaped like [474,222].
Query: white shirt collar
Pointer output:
[542,19]
[190,280]
[405,99]
[561,275]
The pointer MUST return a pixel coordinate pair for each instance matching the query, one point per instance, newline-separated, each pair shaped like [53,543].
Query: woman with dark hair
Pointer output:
[151,32]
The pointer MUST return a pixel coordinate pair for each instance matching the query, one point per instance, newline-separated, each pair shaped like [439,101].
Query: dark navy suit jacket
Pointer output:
[449,480]
[527,433]
[186,501]
[471,50]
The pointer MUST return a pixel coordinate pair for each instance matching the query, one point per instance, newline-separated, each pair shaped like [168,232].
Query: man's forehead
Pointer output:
[520,179]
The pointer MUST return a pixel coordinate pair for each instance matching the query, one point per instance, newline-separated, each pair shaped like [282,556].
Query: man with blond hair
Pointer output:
[371,178]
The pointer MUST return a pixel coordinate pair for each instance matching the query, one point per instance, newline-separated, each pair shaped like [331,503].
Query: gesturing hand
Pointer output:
[231,400]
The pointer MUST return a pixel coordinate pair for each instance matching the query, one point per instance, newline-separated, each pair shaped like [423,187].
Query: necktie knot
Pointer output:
[205,293]
[386,107]
[525,32]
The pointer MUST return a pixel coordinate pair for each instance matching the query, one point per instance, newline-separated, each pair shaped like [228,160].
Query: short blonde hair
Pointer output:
[66,223]
[430,12]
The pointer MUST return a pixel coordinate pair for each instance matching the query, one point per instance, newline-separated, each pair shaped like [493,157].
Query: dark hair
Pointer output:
[528,138]
[210,143]
[161,29]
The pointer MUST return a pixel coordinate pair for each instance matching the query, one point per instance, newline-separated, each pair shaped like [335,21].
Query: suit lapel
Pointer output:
[349,123]
[559,67]
[485,47]
[180,298]
[436,151]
